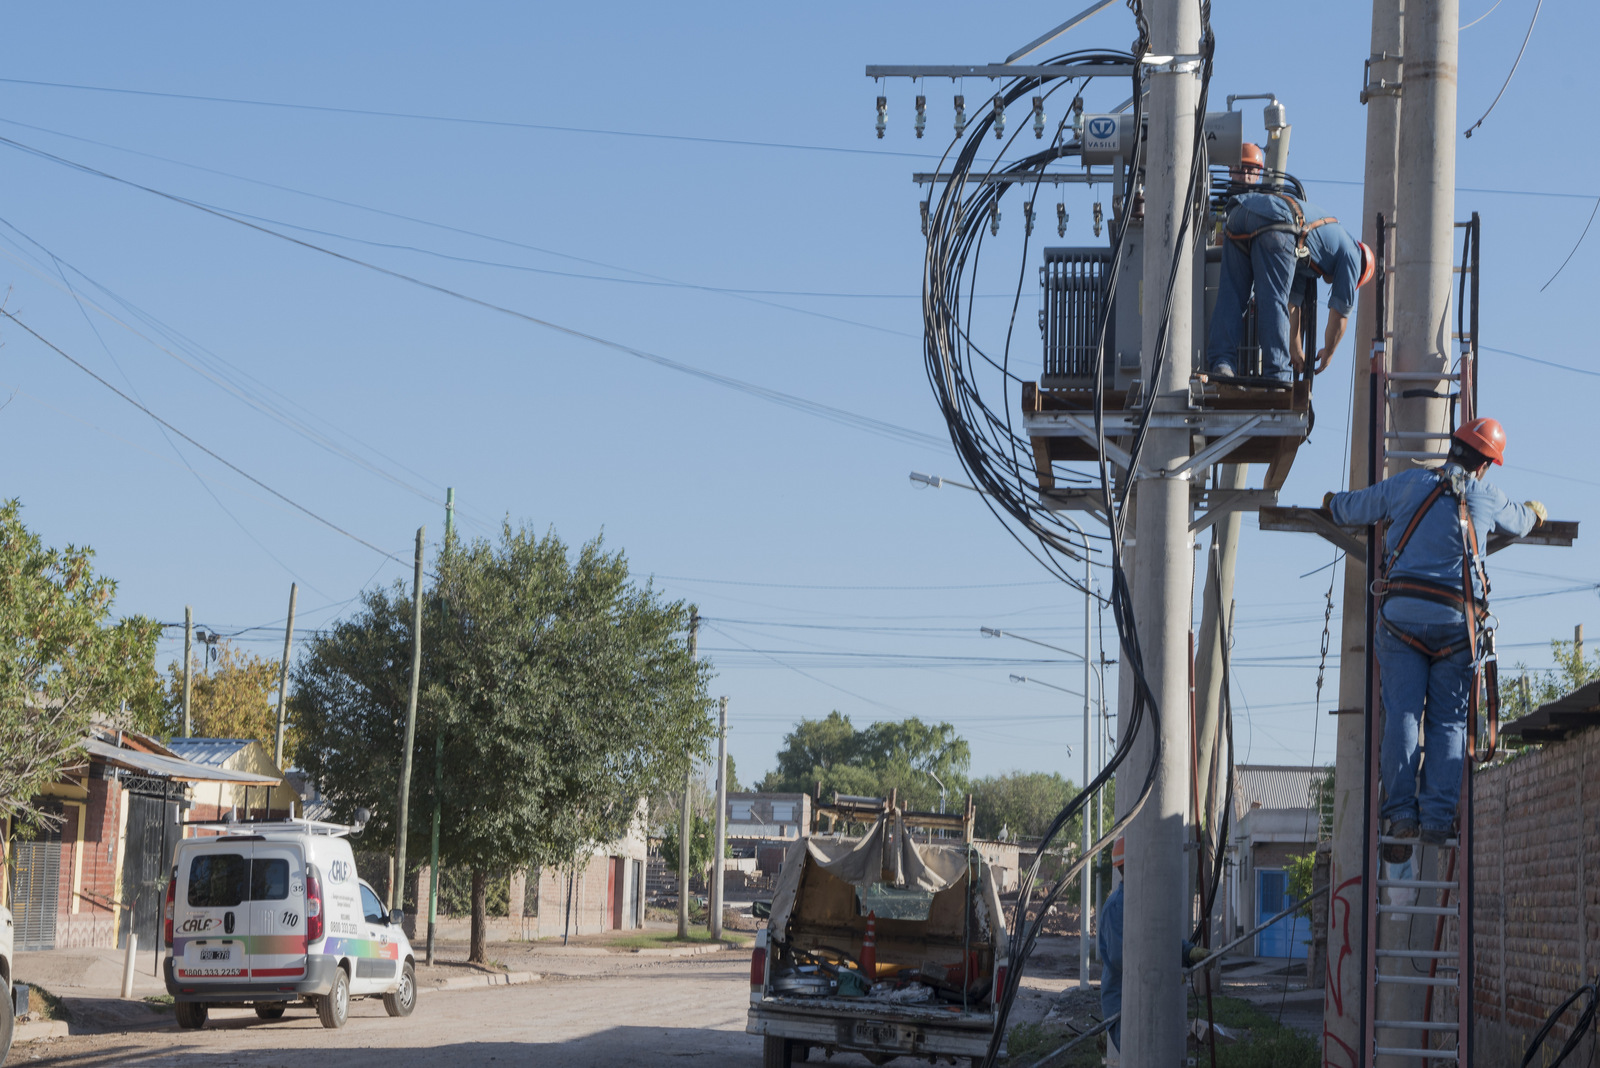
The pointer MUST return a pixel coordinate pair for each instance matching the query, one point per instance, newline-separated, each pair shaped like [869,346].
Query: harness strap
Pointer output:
[1299,228]
[1423,647]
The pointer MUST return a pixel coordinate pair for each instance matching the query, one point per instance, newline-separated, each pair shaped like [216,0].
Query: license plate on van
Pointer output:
[222,954]
[894,1036]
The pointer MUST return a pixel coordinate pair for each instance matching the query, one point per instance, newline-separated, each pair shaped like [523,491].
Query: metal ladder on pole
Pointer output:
[1398,892]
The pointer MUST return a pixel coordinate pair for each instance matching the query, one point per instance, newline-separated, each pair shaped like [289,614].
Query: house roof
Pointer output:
[166,767]
[212,752]
[1272,786]
[1554,721]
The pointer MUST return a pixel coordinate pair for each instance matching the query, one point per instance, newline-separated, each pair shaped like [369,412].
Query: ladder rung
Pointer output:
[1415,980]
[1420,884]
[1419,910]
[1434,1054]
[1412,454]
[1416,1025]
[1423,376]
[1426,954]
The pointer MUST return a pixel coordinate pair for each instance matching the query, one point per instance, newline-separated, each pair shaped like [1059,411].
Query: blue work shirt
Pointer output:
[1435,549]
[1109,943]
[1329,248]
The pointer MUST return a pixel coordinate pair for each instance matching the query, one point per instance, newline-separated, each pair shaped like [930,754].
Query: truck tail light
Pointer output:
[758,967]
[313,908]
[998,991]
[172,894]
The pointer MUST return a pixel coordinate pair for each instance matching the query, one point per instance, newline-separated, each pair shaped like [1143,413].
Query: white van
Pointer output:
[271,913]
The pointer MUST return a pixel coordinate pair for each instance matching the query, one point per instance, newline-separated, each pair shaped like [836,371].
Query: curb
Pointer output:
[472,982]
[36,1030]
[688,951]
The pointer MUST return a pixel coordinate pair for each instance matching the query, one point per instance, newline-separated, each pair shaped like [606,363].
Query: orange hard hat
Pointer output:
[1369,264]
[1487,436]
[1251,153]
[1116,853]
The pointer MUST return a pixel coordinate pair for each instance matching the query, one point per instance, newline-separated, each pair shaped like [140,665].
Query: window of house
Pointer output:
[741,811]
[783,812]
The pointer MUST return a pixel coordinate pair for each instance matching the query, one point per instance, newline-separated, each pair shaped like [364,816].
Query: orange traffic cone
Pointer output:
[869,948]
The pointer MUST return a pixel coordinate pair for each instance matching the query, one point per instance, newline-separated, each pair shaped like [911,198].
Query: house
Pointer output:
[1272,820]
[215,800]
[100,868]
[760,825]
[604,892]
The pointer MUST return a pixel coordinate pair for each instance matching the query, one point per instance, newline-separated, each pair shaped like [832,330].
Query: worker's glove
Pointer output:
[1538,509]
[1197,954]
[1327,500]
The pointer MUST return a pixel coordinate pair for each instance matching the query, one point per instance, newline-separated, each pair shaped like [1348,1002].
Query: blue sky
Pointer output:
[823,573]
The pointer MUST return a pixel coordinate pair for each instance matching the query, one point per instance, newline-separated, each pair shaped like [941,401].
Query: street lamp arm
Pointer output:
[992,632]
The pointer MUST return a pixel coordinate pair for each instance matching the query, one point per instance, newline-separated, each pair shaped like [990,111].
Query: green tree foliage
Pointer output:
[562,694]
[702,836]
[906,756]
[1300,869]
[1320,797]
[63,662]
[236,698]
[1022,803]
[1523,690]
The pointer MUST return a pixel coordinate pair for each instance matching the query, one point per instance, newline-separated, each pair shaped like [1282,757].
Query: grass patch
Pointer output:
[1028,1042]
[159,1002]
[660,939]
[1271,1045]
[43,1005]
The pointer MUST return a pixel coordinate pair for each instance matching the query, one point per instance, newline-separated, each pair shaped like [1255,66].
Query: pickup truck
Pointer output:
[939,933]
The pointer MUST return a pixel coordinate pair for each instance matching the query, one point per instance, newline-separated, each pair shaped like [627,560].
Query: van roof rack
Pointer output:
[307,826]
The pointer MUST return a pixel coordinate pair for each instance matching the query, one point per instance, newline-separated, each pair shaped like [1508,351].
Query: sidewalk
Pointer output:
[89,984]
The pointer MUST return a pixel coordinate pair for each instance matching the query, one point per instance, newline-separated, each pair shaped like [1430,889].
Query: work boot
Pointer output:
[1439,837]
[1397,852]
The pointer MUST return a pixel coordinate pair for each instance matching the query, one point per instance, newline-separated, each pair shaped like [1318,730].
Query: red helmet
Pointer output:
[1487,436]
[1116,853]
[1369,264]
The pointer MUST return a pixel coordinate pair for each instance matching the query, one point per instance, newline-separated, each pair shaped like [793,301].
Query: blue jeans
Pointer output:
[1267,262]
[1430,696]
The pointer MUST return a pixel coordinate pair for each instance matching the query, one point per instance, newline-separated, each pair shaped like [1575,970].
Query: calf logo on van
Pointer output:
[197,923]
[338,871]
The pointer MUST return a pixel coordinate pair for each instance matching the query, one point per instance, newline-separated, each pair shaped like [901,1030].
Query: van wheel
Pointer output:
[334,1008]
[271,1011]
[781,1052]
[191,1014]
[404,998]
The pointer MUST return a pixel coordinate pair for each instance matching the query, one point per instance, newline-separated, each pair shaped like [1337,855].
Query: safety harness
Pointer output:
[1299,228]
[1485,666]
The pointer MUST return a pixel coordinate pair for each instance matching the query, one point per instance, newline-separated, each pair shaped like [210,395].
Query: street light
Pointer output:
[1088,597]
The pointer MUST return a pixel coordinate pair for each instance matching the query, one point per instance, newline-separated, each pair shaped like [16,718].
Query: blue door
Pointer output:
[1289,937]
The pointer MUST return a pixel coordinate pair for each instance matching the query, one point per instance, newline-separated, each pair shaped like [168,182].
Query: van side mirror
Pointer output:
[761,910]
[396,917]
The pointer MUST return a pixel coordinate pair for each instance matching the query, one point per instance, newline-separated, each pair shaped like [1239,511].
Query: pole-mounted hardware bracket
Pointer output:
[1188,64]
[1383,86]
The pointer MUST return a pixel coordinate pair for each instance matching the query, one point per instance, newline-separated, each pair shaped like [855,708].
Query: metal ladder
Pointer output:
[1400,892]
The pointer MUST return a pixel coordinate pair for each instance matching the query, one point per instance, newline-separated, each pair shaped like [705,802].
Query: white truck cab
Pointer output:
[273,913]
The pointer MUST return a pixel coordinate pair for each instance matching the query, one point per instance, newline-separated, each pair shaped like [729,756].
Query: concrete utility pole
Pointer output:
[717,874]
[1424,256]
[438,763]
[397,898]
[188,673]
[1157,889]
[1342,1034]
[685,821]
[283,678]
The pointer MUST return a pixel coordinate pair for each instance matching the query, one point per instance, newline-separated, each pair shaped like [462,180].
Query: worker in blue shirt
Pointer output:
[1275,244]
[1424,643]
[1109,943]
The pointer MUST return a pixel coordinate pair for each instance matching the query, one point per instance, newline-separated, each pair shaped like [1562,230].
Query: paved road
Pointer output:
[679,1012]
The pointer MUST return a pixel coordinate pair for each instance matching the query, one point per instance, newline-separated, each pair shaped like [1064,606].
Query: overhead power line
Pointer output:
[230,465]
[826,411]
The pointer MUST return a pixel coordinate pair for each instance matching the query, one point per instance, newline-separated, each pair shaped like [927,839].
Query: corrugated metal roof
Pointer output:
[1273,786]
[166,767]
[1554,721]
[212,752]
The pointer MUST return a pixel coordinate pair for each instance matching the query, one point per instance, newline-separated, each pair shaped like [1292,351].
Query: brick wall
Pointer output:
[87,918]
[1536,891]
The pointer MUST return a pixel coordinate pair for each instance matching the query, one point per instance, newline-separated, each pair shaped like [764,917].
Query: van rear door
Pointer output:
[211,922]
[277,944]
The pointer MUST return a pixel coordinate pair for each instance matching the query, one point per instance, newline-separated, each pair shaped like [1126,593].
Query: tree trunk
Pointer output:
[479,952]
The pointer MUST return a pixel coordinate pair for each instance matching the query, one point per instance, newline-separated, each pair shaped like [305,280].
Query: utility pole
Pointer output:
[1342,1026]
[397,897]
[1577,648]
[283,678]
[684,820]
[717,874]
[1156,895]
[188,672]
[438,760]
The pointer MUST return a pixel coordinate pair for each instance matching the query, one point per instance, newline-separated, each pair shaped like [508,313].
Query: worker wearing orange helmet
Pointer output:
[1252,161]
[1109,943]
[1433,546]
[1275,244]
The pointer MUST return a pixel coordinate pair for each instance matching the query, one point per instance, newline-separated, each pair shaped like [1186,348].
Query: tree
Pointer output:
[237,698]
[903,756]
[814,743]
[63,662]
[1023,803]
[563,694]
[1572,670]
[702,835]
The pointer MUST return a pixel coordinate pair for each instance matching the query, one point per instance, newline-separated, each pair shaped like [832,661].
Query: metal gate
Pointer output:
[145,858]
[36,885]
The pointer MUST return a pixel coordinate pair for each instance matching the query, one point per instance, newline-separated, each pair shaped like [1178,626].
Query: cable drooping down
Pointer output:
[1000,461]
